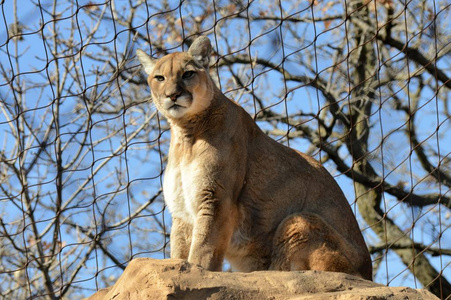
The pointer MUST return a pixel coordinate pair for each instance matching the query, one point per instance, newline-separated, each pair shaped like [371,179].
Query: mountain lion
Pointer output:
[234,192]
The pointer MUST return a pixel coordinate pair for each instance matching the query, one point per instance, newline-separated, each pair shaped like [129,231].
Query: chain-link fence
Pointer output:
[362,86]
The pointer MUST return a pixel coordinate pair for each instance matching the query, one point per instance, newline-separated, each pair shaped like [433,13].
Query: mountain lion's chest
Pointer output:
[181,187]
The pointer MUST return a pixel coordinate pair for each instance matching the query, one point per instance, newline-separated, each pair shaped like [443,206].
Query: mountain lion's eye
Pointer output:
[159,78]
[188,74]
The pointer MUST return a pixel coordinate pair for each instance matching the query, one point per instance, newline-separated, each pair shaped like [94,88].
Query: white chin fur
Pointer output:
[176,112]
[176,109]
[184,106]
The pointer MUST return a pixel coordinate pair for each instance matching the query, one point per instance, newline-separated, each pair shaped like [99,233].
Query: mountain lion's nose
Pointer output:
[174,95]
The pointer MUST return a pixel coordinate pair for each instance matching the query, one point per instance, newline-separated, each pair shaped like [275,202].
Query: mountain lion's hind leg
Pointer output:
[305,242]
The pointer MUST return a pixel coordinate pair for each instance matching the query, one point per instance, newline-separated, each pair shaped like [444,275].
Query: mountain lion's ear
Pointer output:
[146,60]
[200,50]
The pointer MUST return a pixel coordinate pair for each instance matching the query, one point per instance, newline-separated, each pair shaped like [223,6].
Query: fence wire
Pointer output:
[361,85]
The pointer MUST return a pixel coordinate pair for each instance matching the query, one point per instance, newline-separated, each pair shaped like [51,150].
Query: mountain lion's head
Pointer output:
[180,84]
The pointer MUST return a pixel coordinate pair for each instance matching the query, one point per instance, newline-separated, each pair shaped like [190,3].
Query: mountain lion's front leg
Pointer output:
[212,231]
[181,233]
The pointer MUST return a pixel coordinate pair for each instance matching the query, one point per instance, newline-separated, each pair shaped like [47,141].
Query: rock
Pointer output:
[146,278]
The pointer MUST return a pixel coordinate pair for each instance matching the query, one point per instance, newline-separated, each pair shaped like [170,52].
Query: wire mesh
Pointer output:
[362,86]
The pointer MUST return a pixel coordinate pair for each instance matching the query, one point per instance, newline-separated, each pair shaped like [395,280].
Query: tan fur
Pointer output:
[235,193]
